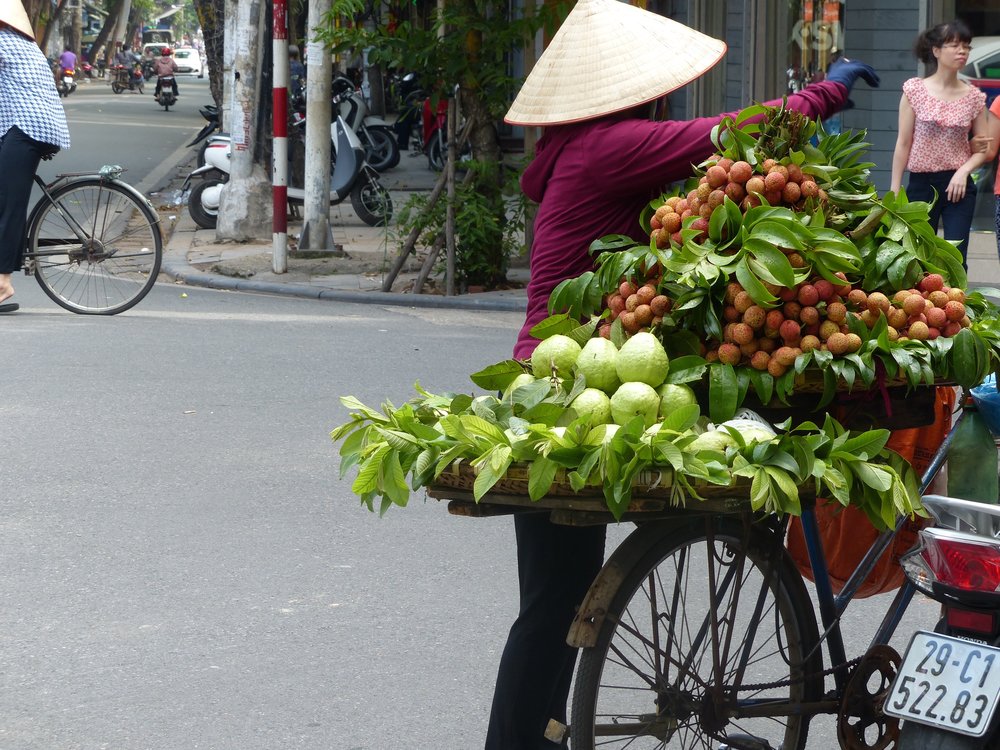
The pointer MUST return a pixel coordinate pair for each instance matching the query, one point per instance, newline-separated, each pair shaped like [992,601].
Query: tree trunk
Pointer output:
[105,33]
[486,149]
[246,207]
[211,16]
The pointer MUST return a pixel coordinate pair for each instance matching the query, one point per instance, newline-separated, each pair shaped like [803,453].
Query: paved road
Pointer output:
[128,129]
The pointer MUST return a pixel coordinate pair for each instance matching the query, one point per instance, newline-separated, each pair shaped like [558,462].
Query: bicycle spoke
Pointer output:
[709,615]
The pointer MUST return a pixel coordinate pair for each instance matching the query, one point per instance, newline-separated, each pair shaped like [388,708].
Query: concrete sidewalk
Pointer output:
[193,255]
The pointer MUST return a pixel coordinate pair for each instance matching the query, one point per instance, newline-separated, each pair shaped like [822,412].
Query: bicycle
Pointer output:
[93,243]
[699,631]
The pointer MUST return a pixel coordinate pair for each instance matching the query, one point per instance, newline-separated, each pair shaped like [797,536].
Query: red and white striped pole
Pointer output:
[279,48]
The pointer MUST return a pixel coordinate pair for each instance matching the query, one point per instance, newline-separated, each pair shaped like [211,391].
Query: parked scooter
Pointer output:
[352,176]
[67,84]
[211,114]
[375,134]
[165,97]
[948,685]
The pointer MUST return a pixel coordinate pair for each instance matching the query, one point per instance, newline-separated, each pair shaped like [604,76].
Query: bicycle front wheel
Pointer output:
[95,248]
[710,641]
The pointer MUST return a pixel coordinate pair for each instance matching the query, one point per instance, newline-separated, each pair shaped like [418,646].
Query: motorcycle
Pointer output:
[211,114]
[166,97]
[67,84]
[375,134]
[948,686]
[352,177]
[126,78]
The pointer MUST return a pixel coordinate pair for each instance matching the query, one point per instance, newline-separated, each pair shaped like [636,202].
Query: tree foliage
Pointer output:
[468,46]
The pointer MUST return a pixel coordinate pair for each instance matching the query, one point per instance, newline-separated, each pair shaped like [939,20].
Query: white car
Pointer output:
[188,60]
[983,68]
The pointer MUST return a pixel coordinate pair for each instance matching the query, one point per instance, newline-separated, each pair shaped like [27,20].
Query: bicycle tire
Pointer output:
[120,260]
[639,687]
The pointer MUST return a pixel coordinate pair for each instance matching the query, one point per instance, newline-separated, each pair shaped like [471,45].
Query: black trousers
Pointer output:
[556,565]
[956,217]
[19,157]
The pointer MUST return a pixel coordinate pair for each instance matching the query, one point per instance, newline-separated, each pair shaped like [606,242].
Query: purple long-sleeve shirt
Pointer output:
[593,178]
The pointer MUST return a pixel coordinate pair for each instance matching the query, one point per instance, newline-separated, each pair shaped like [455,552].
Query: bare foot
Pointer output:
[6,288]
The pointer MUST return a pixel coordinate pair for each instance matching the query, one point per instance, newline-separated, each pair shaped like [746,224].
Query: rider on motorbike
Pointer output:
[165,66]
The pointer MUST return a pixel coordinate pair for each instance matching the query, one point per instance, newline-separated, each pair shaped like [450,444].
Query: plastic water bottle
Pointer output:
[972,459]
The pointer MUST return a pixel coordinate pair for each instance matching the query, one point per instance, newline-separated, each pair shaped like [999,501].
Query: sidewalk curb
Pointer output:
[182,236]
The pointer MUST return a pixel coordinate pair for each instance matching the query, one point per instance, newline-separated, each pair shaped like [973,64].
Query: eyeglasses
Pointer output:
[957,46]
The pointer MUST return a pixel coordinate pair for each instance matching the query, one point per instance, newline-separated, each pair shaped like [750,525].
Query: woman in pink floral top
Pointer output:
[937,114]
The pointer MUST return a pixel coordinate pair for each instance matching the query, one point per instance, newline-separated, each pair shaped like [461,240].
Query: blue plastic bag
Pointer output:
[987,399]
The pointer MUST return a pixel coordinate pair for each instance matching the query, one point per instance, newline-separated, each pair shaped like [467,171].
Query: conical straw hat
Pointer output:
[607,57]
[13,14]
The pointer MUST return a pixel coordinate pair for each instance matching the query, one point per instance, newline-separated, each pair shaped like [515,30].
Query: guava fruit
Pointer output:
[713,440]
[673,396]
[594,405]
[602,433]
[751,430]
[634,399]
[642,359]
[558,353]
[597,364]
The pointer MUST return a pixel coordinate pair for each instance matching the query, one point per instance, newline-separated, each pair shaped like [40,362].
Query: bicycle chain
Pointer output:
[788,683]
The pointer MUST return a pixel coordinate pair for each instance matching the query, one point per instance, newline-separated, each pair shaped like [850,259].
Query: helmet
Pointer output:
[166,51]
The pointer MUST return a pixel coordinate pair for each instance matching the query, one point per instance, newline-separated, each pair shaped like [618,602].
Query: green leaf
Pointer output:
[682,418]
[686,369]
[367,479]
[492,466]
[541,473]
[722,392]
[552,325]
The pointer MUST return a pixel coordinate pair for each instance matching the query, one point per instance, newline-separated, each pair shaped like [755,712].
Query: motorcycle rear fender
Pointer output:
[200,172]
[375,122]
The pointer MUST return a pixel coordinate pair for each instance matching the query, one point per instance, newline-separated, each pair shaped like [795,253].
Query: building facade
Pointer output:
[777,46]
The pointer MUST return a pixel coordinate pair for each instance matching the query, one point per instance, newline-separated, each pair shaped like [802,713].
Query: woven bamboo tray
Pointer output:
[651,497]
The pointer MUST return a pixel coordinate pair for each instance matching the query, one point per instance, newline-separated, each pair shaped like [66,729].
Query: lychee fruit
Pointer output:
[954,311]
[729,354]
[932,282]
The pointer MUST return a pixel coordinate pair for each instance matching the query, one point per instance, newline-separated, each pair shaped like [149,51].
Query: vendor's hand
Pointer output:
[980,144]
[956,187]
[848,71]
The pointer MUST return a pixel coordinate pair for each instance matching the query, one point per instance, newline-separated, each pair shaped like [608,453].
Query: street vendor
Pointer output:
[601,159]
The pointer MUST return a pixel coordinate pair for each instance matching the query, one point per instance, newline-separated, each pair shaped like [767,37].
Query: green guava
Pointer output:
[597,364]
[642,359]
[673,396]
[593,405]
[713,440]
[555,355]
[634,399]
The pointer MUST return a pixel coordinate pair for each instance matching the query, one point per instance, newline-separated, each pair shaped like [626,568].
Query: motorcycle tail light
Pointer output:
[967,564]
[971,622]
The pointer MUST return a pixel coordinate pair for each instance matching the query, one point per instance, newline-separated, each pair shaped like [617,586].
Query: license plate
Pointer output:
[948,683]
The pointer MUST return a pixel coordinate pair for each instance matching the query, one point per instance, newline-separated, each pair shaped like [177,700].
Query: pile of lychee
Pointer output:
[778,184]
[810,316]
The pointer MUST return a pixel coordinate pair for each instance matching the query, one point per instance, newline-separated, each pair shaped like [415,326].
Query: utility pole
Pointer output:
[245,203]
[279,88]
[316,231]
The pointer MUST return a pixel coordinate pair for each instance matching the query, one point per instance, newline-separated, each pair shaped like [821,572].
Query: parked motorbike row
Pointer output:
[351,175]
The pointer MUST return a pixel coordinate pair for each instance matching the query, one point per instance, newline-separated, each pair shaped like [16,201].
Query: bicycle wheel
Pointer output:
[670,670]
[96,249]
